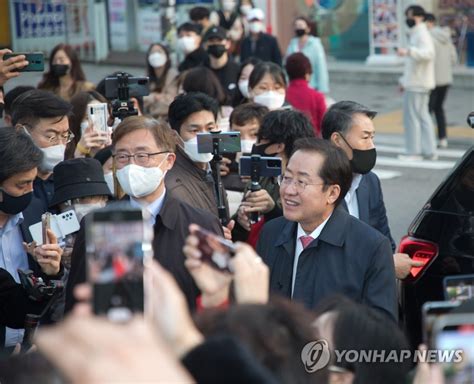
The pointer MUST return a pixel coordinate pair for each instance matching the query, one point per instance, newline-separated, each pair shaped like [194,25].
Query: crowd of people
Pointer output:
[319,262]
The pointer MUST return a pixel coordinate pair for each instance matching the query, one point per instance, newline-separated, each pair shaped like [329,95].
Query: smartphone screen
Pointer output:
[215,250]
[455,338]
[459,287]
[431,311]
[98,114]
[228,142]
[117,245]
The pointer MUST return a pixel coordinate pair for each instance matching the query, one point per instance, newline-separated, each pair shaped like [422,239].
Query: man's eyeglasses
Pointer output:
[140,158]
[63,138]
[300,185]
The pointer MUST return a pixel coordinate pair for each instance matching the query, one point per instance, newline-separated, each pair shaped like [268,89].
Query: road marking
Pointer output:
[423,164]
[384,174]
[455,153]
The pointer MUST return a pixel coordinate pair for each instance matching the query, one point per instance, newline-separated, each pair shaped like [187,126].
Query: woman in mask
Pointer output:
[163,88]
[65,77]
[267,86]
[305,41]
[79,185]
[242,92]
[229,17]
[88,138]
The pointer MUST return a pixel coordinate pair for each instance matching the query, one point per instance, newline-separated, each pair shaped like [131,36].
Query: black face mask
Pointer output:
[300,32]
[260,150]
[362,160]
[12,205]
[216,50]
[410,23]
[59,70]
[2,107]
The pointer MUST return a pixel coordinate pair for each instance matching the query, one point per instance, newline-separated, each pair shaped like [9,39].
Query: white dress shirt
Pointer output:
[351,196]
[153,209]
[299,247]
[12,258]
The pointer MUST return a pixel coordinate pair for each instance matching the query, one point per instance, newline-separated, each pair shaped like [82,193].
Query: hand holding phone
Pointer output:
[25,61]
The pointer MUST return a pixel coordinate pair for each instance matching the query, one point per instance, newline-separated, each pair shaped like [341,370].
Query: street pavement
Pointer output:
[406,185]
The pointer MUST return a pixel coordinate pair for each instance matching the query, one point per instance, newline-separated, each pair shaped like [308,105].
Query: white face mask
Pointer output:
[109,179]
[52,156]
[271,99]
[191,149]
[228,5]
[256,26]
[157,59]
[245,8]
[244,88]
[83,209]
[186,44]
[246,145]
[137,181]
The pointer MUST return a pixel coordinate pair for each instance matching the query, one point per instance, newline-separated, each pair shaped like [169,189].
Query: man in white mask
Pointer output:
[44,116]
[190,179]
[189,46]
[259,44]
[144,152]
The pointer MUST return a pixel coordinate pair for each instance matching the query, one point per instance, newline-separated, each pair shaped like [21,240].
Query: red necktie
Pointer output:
[306,240]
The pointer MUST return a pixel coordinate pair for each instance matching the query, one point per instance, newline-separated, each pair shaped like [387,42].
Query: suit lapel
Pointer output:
[363,200]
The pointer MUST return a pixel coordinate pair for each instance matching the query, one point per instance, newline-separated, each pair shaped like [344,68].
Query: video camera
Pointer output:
[120,89]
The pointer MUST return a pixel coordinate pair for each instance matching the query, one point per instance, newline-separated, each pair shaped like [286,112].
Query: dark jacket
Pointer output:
[266,49]
[186,182]
[371,206]
[349,257]
[171,230]
[194,59]
[228,76]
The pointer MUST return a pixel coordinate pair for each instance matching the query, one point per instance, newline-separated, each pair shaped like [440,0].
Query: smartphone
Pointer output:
[227,142]
[215,250]
[430,311]
[98,113]
[137,86]
[454,338]
[45,225]
[459,287]
[35,61]
[62,225]
[263,166]
[118,243]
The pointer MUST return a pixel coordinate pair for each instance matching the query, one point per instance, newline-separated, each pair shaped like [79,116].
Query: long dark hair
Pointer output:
[238,97]
[79,108]
[313,26]
[50,81]
[158,83]
[202,79]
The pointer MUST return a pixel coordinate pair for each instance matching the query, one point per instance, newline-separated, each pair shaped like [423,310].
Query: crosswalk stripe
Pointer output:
[384,174]
[424,164]
[456,153]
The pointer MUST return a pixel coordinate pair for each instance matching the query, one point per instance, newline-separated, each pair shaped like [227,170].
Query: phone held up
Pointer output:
[35,61]
[118,244]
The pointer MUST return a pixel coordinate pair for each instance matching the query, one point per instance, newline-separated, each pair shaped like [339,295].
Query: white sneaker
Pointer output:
[410,157]
[443,143]
[432,157]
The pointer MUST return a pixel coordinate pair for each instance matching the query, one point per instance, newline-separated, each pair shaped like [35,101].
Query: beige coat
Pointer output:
[157,103]
[419,74]
[445,55]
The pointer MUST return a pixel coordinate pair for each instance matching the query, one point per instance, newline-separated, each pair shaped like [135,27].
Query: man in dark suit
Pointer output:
[259,44]
[144,151]
[317,249]
[349,126]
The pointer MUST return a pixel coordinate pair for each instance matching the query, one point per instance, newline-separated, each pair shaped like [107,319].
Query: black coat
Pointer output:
[171,230]
[197,58]
[349,257]
[266,49]
[371,206]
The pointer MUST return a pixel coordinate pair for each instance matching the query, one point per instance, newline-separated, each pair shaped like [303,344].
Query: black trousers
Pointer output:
[437,97]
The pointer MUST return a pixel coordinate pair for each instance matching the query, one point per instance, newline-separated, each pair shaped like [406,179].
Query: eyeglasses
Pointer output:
[60,138]
[140,158]
[300,186]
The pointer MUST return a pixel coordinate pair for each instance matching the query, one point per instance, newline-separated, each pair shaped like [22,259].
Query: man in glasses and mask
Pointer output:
[349,126]
[44,117]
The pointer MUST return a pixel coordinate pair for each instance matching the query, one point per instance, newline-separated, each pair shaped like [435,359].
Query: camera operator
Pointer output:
[276,136]
[19,160]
